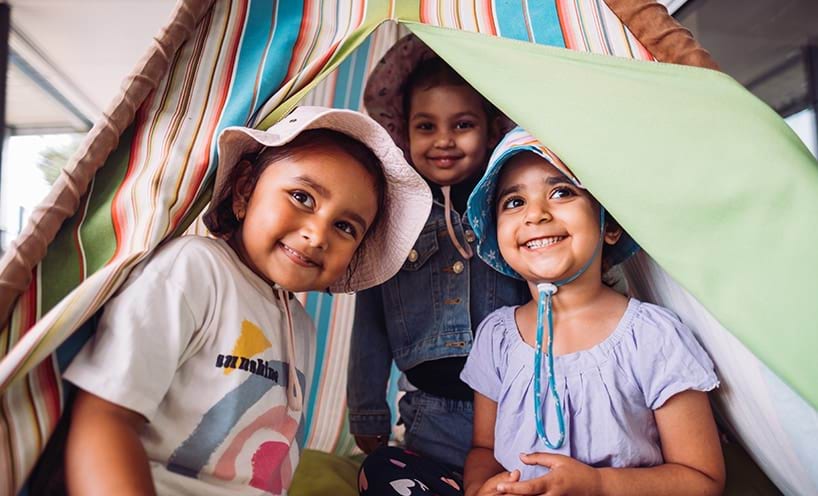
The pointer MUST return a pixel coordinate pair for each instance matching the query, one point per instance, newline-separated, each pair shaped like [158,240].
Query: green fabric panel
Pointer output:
[709,180]
[407,10]
[61,267]
[61,271]
[98,229]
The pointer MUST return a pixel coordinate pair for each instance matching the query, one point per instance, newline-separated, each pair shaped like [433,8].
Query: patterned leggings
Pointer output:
[390,470]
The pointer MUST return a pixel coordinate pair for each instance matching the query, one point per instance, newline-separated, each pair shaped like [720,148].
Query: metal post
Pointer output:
[5,25]
[811,62]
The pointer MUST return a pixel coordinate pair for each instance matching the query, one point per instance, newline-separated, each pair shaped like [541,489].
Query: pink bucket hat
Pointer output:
[383,95]
[407,199]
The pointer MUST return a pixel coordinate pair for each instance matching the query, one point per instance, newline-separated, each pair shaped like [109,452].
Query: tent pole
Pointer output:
[5,21]
[811,56]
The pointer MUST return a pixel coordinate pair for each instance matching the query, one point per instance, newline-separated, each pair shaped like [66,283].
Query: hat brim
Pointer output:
[407,199]
[385,87]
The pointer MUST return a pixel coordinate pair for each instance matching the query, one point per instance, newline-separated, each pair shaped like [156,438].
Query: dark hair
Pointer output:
[435,72]
[222,222]
[611,224]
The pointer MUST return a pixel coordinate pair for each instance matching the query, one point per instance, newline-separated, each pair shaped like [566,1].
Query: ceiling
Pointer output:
[760,43]
[68,57]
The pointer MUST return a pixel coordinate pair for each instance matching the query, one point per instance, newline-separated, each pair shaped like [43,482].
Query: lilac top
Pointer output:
[608,392]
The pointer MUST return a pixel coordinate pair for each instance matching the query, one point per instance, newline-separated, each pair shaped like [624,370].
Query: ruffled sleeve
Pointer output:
[667,359]
[485,365]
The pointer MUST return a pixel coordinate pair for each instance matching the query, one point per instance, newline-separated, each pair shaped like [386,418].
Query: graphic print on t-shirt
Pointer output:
[251,342]
[272,469]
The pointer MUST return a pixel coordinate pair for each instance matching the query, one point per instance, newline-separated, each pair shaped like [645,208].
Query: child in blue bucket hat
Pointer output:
[616,402]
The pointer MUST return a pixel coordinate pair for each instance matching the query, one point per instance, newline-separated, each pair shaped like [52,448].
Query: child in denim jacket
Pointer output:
[423,318]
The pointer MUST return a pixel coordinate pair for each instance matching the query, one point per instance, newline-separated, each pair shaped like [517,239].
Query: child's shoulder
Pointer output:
[190,256]
[495,336]
[645,313]
[651,323]
[664,355]
[644,310]
[191,245]
[499,323]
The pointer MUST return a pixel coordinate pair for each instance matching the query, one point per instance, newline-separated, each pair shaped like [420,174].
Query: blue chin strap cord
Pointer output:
[546,290]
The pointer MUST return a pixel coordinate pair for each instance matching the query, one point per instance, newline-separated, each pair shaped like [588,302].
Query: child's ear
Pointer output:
[612,233]
[242,189]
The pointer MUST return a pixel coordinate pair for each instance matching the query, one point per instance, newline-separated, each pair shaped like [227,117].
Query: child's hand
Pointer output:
[567,476]
[368,444]
[489,488]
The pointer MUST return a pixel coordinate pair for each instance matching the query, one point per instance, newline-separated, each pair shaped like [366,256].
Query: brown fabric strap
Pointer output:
[29,248]
[660,33]
[466,252]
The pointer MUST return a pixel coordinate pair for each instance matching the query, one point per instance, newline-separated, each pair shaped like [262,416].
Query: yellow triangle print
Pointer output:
[251,342]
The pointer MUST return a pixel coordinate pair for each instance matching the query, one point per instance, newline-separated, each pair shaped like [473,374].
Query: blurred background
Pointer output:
[62,61]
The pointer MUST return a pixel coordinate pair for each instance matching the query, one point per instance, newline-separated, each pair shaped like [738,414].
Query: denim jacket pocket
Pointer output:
[425,247]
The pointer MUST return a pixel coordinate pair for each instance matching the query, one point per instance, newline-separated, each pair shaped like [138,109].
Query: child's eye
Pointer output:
[347,228]
[424,126]
[562,193]
[304,198]
[464,125]
[513,202]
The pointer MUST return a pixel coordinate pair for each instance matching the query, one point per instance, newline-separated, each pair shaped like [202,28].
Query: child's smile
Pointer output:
[298,257]
[444,161]
[541,243]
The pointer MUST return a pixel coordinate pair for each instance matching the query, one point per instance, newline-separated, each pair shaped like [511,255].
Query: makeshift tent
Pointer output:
[714,186]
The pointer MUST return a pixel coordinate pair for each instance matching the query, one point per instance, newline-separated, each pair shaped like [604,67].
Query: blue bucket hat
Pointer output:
[481,209]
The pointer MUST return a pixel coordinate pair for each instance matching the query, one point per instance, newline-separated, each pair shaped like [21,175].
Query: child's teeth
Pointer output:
[539,243]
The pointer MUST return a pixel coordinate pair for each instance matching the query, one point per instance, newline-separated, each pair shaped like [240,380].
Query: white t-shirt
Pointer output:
[197,343]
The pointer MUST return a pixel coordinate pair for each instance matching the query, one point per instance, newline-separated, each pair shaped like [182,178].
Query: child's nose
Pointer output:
[444,139]
[536,213]
[316,233]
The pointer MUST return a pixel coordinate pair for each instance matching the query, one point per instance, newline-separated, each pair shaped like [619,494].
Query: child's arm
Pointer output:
[370,361]
[103,453]
[482,473]
[690,446]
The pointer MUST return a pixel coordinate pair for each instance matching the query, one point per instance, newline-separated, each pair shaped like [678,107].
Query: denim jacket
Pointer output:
[425,312]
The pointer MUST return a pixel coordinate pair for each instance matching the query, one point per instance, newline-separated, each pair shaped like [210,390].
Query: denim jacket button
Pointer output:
[470,237]
[413,255]
[458,267]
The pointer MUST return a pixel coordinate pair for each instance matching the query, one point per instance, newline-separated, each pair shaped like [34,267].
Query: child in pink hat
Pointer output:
[195,380]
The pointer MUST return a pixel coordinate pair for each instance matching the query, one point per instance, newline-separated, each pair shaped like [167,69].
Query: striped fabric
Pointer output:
[241,57]
[245,62]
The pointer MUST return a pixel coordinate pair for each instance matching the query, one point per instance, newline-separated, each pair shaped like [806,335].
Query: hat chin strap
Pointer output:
[465,252]
[546,291]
